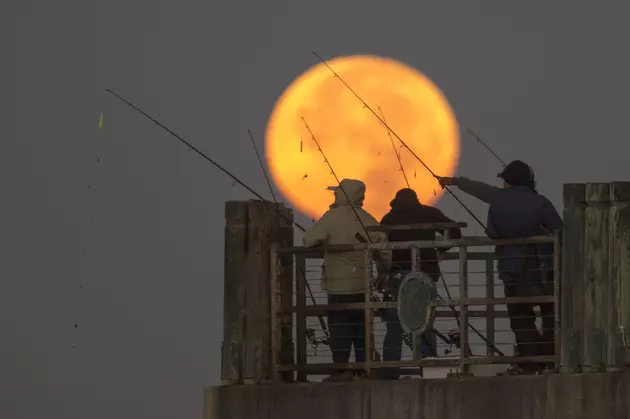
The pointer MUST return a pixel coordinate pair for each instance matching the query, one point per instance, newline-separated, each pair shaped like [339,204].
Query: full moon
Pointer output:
[354,141]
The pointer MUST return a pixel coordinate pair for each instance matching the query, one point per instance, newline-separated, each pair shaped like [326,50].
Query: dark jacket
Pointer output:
[515,212]
[406,209]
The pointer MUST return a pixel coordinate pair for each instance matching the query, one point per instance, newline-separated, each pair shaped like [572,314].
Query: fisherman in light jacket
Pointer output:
[343,274]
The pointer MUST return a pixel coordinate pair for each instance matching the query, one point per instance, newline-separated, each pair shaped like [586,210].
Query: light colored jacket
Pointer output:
[344,272]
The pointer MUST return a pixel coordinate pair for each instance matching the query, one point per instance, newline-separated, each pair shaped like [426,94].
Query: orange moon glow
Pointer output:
[356,144]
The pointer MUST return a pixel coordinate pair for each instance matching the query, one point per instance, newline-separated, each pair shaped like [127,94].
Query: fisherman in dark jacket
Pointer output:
[406,209]
[518,211]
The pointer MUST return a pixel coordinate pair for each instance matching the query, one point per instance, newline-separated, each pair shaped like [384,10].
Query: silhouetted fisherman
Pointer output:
[517,210]
[407,209]
[343,273]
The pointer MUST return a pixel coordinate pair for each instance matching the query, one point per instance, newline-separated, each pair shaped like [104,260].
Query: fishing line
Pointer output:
[389,134]
[479,140]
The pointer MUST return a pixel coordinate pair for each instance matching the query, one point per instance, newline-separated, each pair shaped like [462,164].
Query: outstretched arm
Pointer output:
[479,190]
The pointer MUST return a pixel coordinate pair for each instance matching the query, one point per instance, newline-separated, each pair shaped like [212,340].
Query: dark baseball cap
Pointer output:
[518,173]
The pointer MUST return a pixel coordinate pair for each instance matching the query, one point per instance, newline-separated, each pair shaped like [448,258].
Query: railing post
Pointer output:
[367,311]
[416,342]
[300,301]
[463,309]
[490,307]
[415,259]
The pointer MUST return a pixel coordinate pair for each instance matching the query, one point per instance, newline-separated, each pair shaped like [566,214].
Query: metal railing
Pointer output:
[294,302]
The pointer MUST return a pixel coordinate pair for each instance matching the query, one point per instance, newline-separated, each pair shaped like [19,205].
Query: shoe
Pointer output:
[548,369]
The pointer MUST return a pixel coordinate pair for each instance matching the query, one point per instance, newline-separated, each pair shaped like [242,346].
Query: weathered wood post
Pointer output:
[619,272]
[597,278]
[572,281]
[252,227]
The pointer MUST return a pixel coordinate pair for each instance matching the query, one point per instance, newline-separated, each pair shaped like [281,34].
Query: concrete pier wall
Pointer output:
[570,396]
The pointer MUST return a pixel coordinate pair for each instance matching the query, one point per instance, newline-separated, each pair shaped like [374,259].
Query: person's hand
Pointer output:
[445,181]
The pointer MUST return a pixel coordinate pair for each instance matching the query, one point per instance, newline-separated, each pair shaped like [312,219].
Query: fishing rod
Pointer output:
[411,151]
[237,180]
[455,313]
[227,172]
[395,150]
[479,140]
[202,154]
[401,140]
[358,236]
[332,171]
[262,166]
[473,328]
[322,323]
[375,256]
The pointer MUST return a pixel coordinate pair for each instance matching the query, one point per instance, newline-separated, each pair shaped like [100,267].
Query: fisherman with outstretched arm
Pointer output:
[407,209]
[518,211]
[343,273]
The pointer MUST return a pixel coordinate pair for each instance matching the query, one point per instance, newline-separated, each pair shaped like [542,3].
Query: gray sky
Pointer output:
[542,81]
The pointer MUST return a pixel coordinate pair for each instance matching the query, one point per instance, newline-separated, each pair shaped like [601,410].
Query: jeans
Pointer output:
[393,343]
[347,328]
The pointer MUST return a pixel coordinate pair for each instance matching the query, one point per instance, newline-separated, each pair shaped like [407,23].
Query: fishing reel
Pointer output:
[454,339]
[407,340]
[314,341]
[379,293]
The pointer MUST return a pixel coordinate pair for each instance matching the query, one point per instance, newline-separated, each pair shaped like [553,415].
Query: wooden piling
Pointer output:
[572,281]
[251,229]
[597,279]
